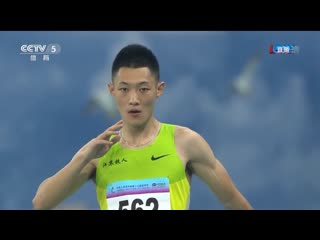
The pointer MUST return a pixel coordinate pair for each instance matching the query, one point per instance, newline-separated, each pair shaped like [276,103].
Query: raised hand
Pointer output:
[100,145]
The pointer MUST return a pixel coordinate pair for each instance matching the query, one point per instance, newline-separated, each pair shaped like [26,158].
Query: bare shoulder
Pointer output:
[185,135]
[192,145]
[182,131]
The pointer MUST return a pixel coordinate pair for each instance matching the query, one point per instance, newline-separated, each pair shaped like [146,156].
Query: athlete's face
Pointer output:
[135,91]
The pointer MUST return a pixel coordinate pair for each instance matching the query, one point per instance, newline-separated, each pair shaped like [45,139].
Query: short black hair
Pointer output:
[136,56]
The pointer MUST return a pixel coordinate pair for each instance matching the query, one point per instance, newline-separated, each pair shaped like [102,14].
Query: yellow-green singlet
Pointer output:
[151,177]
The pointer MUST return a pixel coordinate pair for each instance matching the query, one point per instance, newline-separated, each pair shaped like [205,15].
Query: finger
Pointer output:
[115,139]
[102,147]
[102,142]
[117,125]
[107,134]
[111,130]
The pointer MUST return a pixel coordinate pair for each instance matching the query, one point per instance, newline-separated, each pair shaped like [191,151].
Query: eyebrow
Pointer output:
[140,83]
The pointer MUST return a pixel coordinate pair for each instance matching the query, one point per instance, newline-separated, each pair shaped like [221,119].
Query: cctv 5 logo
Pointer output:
[40,49]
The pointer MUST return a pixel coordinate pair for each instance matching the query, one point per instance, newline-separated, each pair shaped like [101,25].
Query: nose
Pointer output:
[133,99]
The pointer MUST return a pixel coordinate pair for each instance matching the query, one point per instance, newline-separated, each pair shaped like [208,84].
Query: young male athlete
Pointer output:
[140,163]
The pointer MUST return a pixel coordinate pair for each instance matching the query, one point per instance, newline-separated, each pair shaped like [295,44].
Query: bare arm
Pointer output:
[205,165]
[79,170]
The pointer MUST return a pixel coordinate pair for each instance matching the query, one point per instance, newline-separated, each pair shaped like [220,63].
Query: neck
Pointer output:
[139,136]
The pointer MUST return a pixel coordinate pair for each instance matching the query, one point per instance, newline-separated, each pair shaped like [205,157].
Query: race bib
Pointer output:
[145,194]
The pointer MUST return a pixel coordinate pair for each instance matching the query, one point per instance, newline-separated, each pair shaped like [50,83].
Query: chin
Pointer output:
[133,121]
[136,122]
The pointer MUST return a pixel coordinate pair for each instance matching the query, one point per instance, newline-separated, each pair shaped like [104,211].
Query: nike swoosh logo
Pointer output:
[153,158]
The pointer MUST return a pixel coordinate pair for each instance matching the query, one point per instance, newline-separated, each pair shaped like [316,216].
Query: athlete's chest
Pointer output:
[133,180]
[128,164]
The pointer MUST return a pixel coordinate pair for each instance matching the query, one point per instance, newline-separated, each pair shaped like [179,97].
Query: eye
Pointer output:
[144,89]
[123,89]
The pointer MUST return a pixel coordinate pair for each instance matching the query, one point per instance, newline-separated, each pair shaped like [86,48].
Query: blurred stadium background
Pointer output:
[264,130]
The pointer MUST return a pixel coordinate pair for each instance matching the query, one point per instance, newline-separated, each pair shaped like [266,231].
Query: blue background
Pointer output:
[268,141]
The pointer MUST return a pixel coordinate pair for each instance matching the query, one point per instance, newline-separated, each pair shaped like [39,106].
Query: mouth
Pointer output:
[134,111]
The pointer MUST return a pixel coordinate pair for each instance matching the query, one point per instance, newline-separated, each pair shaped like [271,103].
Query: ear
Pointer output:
[111,88]
[160,87]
